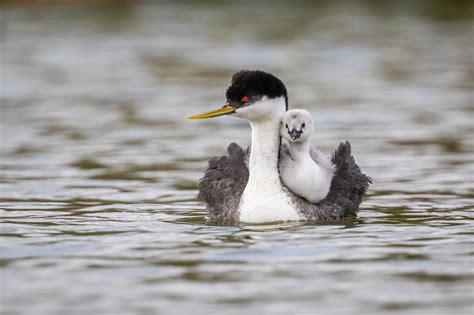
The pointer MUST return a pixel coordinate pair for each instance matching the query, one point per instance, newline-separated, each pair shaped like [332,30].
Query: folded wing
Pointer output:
[223,184]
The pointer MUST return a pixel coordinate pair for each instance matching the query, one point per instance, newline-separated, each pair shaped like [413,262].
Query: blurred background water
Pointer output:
[99,167]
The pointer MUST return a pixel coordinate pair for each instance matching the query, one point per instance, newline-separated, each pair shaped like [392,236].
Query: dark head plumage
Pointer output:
[254,84]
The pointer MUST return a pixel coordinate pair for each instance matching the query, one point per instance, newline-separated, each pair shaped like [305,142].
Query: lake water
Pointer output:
[99,167]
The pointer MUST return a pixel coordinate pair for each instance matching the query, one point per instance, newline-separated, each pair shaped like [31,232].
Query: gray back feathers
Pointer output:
[348,187]
[226,176]
[223,184]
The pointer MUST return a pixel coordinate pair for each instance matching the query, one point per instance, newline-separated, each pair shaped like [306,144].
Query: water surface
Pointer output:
[99,167]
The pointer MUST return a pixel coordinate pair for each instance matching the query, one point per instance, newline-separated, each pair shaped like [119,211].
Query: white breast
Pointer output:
[266,203]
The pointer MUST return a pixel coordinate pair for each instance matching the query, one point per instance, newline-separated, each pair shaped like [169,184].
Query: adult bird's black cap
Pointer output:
[247,87]
[255,84]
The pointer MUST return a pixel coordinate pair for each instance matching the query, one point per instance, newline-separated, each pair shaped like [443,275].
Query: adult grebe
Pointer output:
[243,188]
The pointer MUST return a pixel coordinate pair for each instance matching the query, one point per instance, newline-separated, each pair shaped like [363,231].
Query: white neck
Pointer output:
[263,164]
[265,119]
[263,199]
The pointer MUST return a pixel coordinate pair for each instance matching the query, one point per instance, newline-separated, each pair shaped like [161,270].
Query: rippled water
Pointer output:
[99,167]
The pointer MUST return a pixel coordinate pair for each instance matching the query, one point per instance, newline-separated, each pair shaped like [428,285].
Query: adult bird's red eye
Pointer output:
[245,99]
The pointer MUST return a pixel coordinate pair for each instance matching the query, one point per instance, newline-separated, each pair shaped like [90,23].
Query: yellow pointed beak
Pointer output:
[226,110]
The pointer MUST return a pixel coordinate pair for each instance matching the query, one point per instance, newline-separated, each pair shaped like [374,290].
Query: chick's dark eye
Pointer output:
[245,99]
[286,126]
[303,125]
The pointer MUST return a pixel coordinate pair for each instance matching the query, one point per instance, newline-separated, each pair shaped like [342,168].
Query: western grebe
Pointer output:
[245,185]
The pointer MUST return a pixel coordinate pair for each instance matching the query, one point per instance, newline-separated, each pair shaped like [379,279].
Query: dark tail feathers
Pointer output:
[349,184]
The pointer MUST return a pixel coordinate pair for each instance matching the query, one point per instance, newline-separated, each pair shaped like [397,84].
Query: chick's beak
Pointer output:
[295,134]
